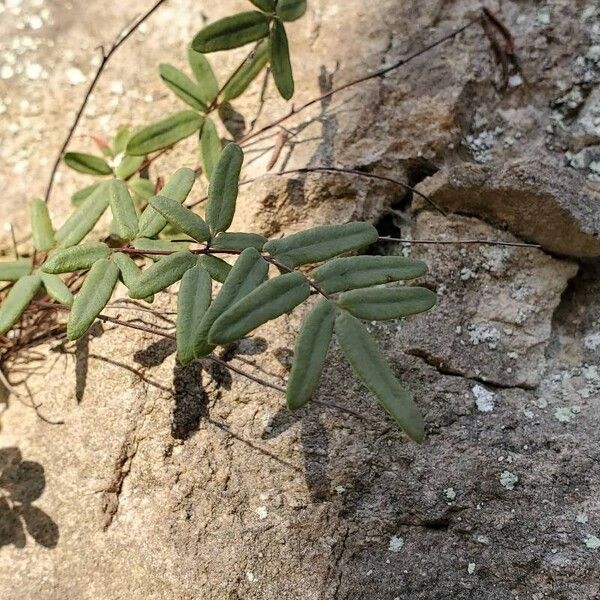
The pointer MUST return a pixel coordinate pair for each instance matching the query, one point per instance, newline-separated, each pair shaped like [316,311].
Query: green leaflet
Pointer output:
[182,86]
[41,226]
[164,133]
[248,272]
[381,304]
[75,258]
[281,67]
[87,163]
[320,243]
[17,300]
[265,5]
[177,188]
[170,232]
[232,32]
[192,303]
[120,140]
[352,272]
[57,289]
[128,166]
[310,353]
[216,267]
[268,301]
[181,217]
[208,86]
[123,210]
[130,272]
[80,195]
[247,74]
[370,365]
[290,10]
[238,241]
[223,189]
[15,269]
[210,147]
[92,297]
[143,189]
[82,221]
[163,273]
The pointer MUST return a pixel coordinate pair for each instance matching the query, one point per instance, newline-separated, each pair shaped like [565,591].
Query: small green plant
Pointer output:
[202,93]
[115,162]
[350,286]
[268,277]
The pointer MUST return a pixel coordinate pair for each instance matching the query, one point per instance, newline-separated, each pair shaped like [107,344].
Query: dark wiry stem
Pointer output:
[459,242]
[380,73]
[369,176]
[170,336]
[215,101]
[106,56]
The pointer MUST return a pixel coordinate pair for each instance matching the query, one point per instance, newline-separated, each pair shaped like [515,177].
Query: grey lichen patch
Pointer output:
[450,493]
[484,399]
[564,414]
[508,480]
[396,543]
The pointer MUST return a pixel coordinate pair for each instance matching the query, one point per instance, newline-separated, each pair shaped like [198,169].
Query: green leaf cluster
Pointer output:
[115,161]
[354,288]
[127,156]
[219,303]
[265,26]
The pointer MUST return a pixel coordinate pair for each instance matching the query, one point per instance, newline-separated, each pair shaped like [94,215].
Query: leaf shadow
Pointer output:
[190,400]
[156,353]
[315,446]
[22,482]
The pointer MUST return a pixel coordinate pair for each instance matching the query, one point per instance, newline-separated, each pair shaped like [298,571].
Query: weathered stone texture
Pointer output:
[171,483]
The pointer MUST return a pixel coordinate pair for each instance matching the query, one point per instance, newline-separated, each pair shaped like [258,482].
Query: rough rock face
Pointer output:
[495,305]
[517,195]
[185,483]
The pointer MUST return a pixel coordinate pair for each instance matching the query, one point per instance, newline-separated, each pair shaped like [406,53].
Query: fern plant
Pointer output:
[267,279]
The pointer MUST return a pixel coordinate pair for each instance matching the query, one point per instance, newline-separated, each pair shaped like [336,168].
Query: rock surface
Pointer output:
[517,195]
[191,483]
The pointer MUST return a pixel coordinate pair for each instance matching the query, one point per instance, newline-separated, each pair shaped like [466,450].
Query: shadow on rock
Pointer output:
[190,400]
[315,447]
[156,353]
[21,483]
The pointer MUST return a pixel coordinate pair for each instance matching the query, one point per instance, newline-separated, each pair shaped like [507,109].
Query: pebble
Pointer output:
[6,72]
[34,71]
